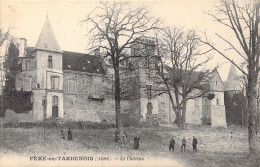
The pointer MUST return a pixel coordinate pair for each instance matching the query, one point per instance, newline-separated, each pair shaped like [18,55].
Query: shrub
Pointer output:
[51,124]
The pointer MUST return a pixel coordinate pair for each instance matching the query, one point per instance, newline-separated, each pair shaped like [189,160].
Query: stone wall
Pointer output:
[218,116]
[11,116]
[194,111]
[81,106]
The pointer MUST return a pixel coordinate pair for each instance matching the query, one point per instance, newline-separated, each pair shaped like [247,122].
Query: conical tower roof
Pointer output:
[232,82]
[47,39]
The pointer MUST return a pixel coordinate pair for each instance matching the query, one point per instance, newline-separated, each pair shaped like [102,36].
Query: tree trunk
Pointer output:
[183,115]
[178,118]
[117,98]
[251,95]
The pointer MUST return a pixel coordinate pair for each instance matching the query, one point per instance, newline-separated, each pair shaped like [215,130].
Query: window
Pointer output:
[71,87]
[50,62]
[55,101]
[27,65]
[38,86]
[149,91]
[216,82]
[55,82]
[217,101]
[44,100]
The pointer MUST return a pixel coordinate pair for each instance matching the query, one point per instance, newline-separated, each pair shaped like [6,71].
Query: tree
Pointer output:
[3,37]
[178,57]
[115,26]
[11,66]
[242,20]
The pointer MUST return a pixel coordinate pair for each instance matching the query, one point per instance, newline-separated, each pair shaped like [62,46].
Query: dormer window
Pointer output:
[27,65]
[84,68]
[88,61]
[68,66]
[50,62]
[97,70]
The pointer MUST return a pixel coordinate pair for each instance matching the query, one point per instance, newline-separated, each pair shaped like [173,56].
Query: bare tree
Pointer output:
[182,73]
[3,37]
[242,19]
[115,26]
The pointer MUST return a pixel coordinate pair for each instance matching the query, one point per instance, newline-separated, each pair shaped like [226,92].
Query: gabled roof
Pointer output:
[47,39]
[215,78]
[82,62]
[232,82]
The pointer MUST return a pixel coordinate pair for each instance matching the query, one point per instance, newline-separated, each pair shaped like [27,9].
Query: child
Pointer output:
[231,134]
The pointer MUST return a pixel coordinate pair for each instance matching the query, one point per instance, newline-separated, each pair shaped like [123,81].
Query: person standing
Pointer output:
[136,142]
[69,134]
[231,134]
[117,132]
[184,142]
[194,144]
[62,133]
[172,143]
[123,141]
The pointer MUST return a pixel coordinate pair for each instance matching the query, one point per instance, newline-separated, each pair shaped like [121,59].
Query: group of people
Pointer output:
[62,134]
[183,144]
[123,138]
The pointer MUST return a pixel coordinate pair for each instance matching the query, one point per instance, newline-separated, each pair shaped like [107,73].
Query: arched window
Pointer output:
[55,101]
[50,62]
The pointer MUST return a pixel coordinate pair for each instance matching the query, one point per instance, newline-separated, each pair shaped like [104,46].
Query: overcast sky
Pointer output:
[28,18]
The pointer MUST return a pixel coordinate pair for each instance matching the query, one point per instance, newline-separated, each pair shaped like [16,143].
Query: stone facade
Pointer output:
[77,87]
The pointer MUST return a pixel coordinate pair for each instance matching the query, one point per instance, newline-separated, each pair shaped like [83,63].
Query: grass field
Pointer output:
[215,148]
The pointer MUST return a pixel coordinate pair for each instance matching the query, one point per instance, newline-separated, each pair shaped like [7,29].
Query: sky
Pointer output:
[28,17]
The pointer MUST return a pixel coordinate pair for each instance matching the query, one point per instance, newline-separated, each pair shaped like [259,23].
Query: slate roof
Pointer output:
[47,39]
[232,82]
[193,77]
[77,61]
[82,62]
[29,51]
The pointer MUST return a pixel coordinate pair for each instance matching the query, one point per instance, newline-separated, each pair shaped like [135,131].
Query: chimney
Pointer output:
[97,52]
[22,47]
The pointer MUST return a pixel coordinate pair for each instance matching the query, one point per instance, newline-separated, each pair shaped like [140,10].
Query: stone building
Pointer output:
[79,87]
